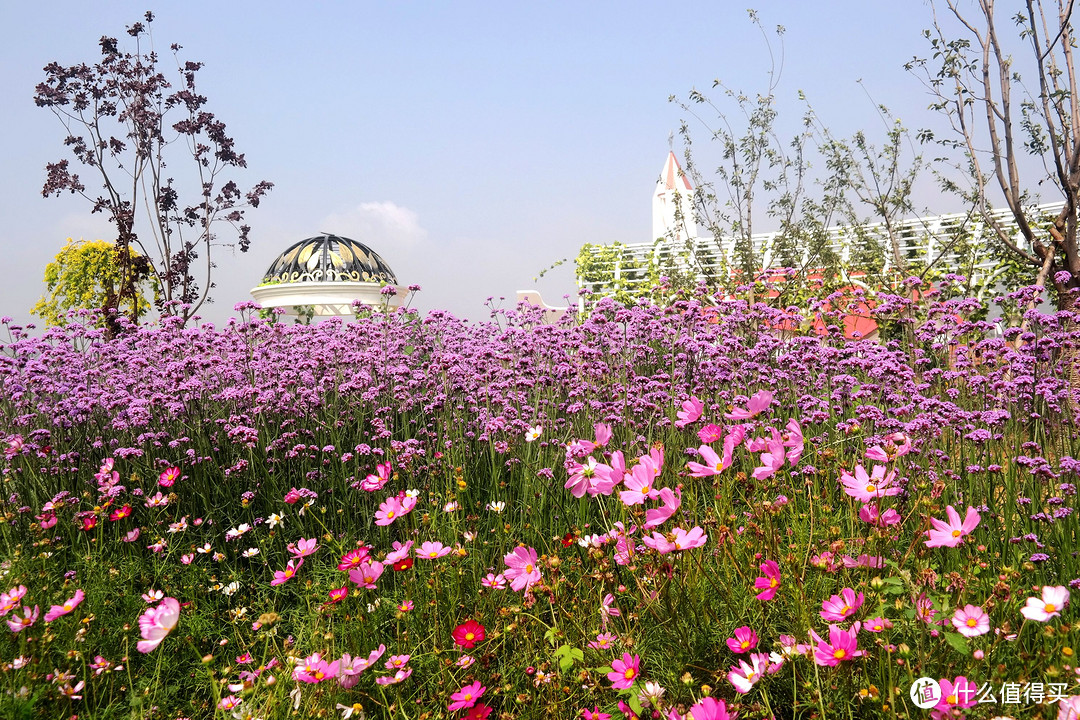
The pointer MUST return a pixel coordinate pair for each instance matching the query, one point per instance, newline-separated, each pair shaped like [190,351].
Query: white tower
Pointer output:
[673,190]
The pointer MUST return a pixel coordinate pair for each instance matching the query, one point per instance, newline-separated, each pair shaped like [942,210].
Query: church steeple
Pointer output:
[673,190]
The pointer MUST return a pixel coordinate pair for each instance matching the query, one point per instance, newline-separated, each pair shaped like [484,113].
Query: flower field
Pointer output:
[652,512]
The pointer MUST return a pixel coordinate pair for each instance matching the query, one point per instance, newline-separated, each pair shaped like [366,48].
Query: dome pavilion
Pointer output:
[327,273]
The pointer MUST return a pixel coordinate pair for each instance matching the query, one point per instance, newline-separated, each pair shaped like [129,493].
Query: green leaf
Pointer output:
[958,642]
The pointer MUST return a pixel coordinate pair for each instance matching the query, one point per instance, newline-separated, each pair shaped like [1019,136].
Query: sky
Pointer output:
[470,144]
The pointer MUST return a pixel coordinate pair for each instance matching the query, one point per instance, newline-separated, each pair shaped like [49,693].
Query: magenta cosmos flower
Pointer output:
[18,623]
[714,464]
[842,645]
[466,697]
[1053,601]
[745,640]
[770,583]
[971,621]
[522,570]
[842,606]
[952,533]
[624,672]
[283,576]
[746,675]
[691,411]
[156,623]
[60,610]
[709,709]
[958,693]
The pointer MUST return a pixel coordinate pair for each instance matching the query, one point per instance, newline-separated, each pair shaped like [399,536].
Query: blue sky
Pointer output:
[471,144]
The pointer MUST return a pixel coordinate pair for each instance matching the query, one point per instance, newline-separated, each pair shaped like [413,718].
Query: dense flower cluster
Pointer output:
[689,512]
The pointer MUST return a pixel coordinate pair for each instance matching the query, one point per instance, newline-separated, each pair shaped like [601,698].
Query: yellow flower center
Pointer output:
[839,653]
[744,644]
[389,514]
[529,568]
[773,583]
[433,553]
[469,636]
[1050,607]
[468,696]
[629,674]
[871,488]
[646,490]
[956,533]
[951,700]
[972,622]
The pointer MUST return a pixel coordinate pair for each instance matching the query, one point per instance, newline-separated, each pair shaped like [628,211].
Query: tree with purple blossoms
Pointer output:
[126,121]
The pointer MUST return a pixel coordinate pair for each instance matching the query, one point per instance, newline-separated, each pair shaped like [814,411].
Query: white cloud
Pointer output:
[377,224]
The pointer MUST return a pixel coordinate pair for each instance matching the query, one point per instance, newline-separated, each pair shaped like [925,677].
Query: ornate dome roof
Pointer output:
[329,258]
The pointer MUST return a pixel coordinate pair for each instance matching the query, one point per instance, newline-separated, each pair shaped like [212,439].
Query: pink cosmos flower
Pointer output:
[867,488]
[366,575]
[354,558]
[603,434]
[659,543]
[691,411]
[603,641]
[842,606]
[314,669]
[303,547]
[878,624]
[522,570]
[971,621]
[952,533]
[593,478]
[11,599]
[770,583]
[376,482]
[156,623]
[759,402]
[746,675]
[709,709]
[283,576]
[336,595]
[1053,601]
[400,552]
[397,661]
[842,646]
[896,446]
[389,511]
[494,582]
[870,514]
[60,610]
[466,697]
[608,609]
[793,439]
[958,693]
[169,476]
[349,668]
[624,672]
[293,496]
[745,640]
[594,714]
[394,679]
[924,609]
[639,485]
[671,499]
[29,617]
[773,459]
[713,465]
[432,550]
[710,433]
[688,540]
